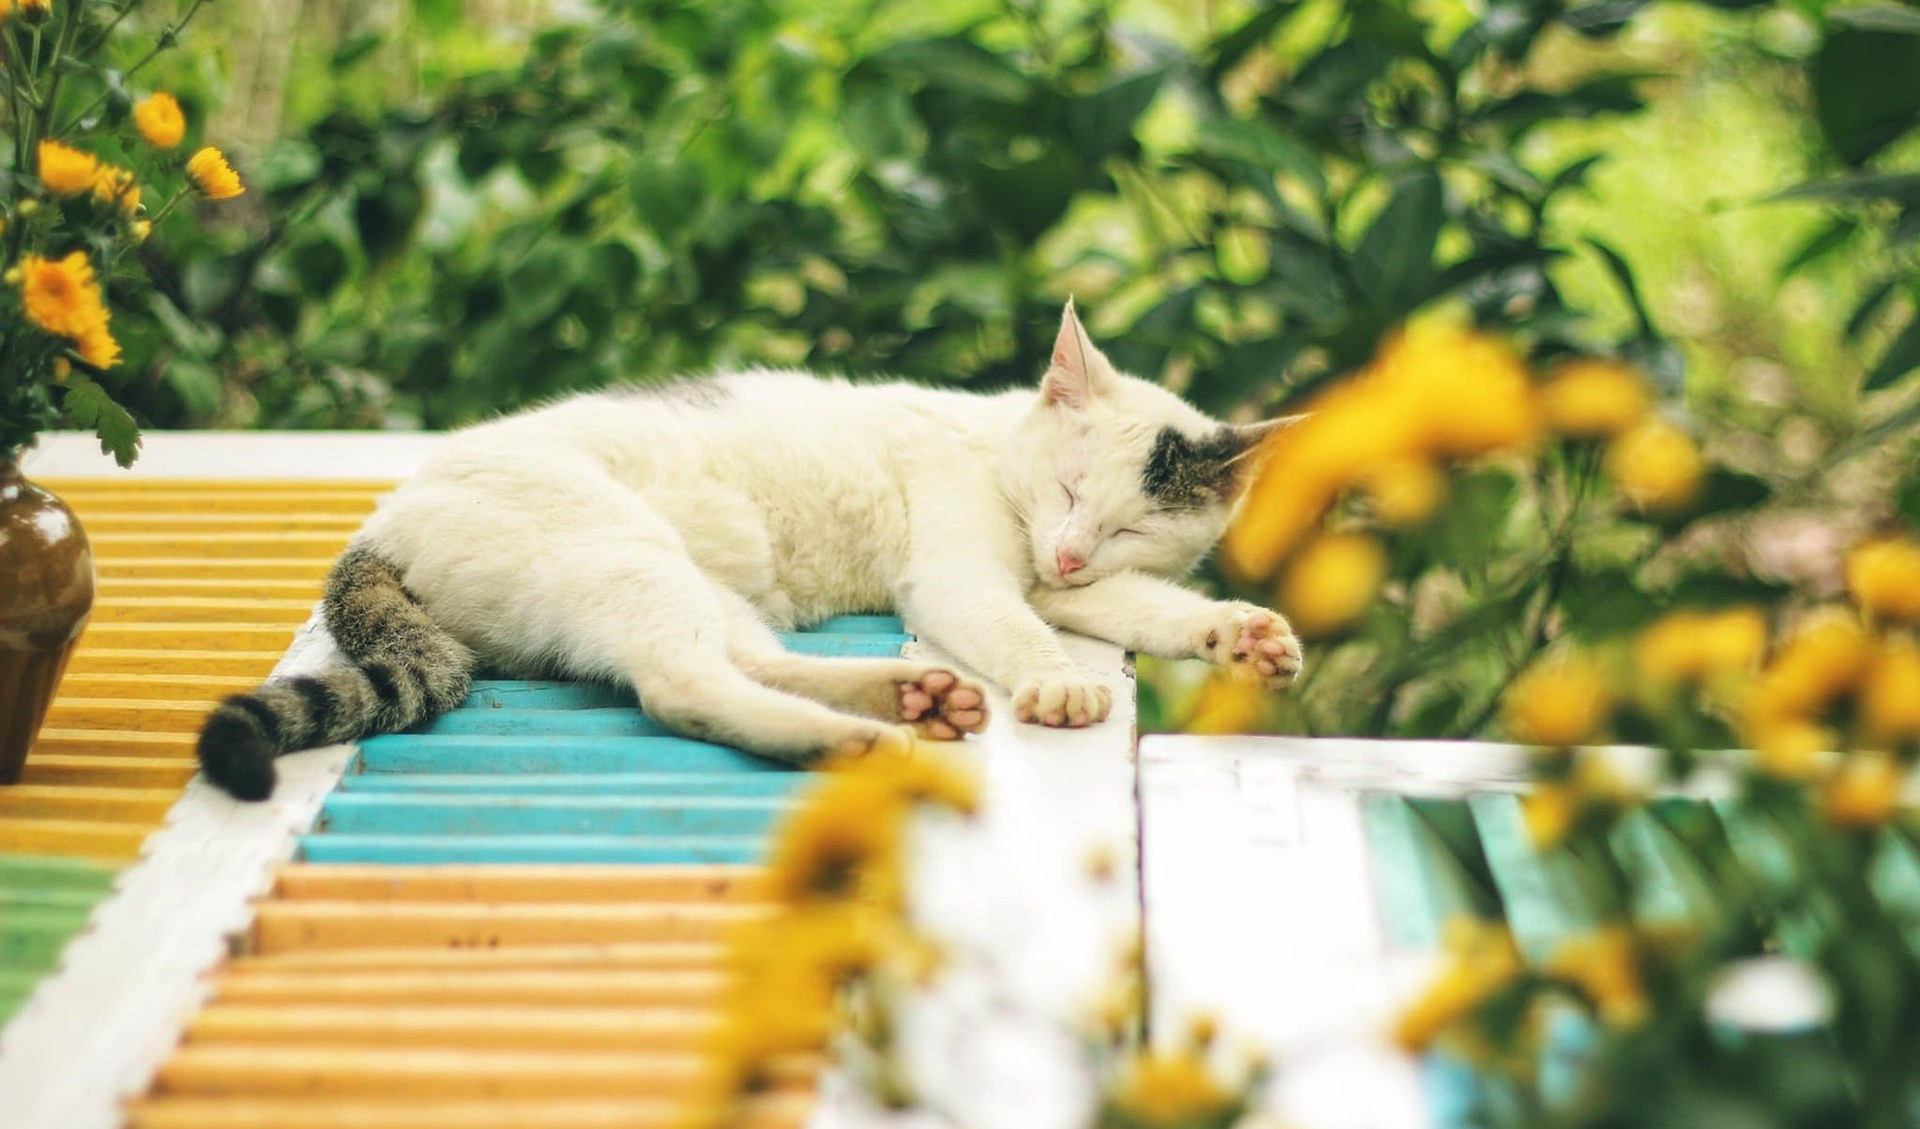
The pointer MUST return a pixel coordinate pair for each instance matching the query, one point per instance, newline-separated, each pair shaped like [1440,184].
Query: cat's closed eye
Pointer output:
[1130,532]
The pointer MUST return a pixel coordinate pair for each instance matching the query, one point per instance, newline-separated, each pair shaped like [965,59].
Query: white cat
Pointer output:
[660,537]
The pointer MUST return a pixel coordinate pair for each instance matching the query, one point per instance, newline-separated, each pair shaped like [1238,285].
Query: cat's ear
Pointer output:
[1252,446]
[1078,372]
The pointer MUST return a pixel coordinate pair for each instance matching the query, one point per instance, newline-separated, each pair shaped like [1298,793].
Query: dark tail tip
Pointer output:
[236,754]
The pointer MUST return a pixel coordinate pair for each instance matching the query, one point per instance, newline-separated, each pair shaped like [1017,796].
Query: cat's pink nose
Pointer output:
[1069,564]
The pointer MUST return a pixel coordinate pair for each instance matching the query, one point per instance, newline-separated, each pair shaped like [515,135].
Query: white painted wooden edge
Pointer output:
[337,455]
[95,1031]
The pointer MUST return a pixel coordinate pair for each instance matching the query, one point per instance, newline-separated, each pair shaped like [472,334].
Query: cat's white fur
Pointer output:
[661,537]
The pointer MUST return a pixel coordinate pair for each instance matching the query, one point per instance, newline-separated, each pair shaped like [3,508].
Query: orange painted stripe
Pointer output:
[784,1111]
[108,743]
[498,1028]
[218,586]
[214,487]
[90,502]
[284,926]
[115,842]
[312,568]
[138,716]
[81,802]
[387,1072]
[156,687]
[219,546]
[626,955]
[643,988]
[105,522]
[169,661]
[189,636]
[521,883]
[199,610]
[109,772]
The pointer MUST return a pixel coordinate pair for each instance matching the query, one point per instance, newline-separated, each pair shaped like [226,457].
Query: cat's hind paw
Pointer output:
[942,705]
[1256,640]
[1068,701]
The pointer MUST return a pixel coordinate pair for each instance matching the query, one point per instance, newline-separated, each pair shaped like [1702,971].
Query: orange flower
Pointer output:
[213,176]
[159,120]
[64,170]
[62,296]
[99,349]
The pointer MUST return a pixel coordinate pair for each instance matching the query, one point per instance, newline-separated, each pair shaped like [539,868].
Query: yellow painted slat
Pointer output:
[111,743]
[155,502]
[385,1072]
[109,772]
[312,568]
[284,926]
[157,687]
[239,983]
[85,838]
[116,588]
[214,522]
[214,487]
[137,715]
[189,636]
[83,802]
[219,546]
[783,1111]
[499,1028]
[198,610]
[161,660]
[626,955]
[521,883]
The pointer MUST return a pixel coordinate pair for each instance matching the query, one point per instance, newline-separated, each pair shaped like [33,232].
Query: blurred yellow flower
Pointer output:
[1890,696]
[6,9]
[159,120]
[1605,965]
[1687,646]
[1816,667]
[1558,703]
[1865,792]
[847,829]
[1404,491]
[115,185]
[1227,705]
[1469,391]
[1593,399]
[925,777]
[1793,750]
[1481,961]
[1656,465]
[1332,582]
[1547,812]
[1884,578]
[62,296]
[211,174]
[1170,1090]
[64,170]
[98,348]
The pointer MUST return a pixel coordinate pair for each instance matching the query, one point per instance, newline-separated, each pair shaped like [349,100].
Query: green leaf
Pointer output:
[354,51]
[1393,265]
[1102,122]
[1728,491]
[438,17]
[1906,498]
[1824,241]
[539,283]
[1865,91]
[1881,17]
[1254,142]
[1901,357]
[88,405]
[1623,274]
[1574,175]
[1227,51]
[959,65]
[1858,188]
[1870,306]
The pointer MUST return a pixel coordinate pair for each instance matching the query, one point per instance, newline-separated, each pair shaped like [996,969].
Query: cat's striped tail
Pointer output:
[400,668]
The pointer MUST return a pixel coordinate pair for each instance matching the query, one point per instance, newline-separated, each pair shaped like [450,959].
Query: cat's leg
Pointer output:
[1146,613]
[936,700]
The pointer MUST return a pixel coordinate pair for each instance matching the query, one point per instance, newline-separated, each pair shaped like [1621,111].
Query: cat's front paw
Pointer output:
[1254,639]
[1068,699]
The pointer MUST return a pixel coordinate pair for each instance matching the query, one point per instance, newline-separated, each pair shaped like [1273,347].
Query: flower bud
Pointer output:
[27,209]
[36,12]
[138,231]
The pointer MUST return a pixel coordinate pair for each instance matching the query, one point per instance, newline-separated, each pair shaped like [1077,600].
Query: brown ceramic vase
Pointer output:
[46,591]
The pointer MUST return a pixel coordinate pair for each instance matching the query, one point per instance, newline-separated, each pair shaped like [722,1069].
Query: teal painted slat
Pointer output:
[557,721]
[362,814]
[518,694]
[859,625]
[443,849]
[1417,876]
[873,645]
[1545,900]
[462,755]
[586,784]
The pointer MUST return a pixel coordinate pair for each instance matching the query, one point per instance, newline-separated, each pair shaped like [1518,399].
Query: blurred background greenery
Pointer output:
[462,206]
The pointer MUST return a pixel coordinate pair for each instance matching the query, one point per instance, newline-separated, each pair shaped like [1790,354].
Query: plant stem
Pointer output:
[165,41]
[60,48]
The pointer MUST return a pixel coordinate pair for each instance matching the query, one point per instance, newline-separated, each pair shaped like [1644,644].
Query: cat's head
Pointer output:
[1115,473]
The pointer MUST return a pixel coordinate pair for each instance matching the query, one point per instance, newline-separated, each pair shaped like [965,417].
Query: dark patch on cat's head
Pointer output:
[1184,473]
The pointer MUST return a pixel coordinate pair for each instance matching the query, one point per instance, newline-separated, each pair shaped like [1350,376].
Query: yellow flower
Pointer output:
[1890,696]
[6,9]
[211,174]
[1687,646]
[115,186]
[1793,750]
[843,840]
[1593,399]
[1547,811]
[139,231]
[98,348]
[1332,582]
[1605,965]
[62,369]
[159,120]
[925,777]
[1172,1090]
[1815,668]
[62,297]
[1227,705]
[1558,704]
[1656,465]
[1469,390]
[1865,792]
[1405,491]
[64,170]
[1482,960]
[1884,578]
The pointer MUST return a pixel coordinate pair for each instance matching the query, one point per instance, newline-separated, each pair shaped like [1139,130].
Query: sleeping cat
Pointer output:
[661,537]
